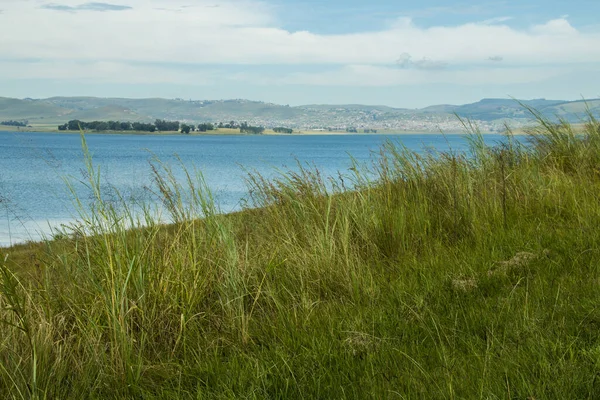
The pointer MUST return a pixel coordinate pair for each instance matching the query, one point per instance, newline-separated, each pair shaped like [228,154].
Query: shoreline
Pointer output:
[237,133]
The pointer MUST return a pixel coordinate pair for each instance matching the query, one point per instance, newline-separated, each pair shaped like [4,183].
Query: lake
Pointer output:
[34,166]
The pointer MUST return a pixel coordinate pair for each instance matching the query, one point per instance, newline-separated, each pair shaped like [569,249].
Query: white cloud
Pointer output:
[91,6]
[369,75]
[359,75]
[405,61]
[556,27]
[108,72]
[113,46]
[496,20]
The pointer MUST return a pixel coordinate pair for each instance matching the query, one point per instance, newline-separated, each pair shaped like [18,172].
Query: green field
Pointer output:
[447,277]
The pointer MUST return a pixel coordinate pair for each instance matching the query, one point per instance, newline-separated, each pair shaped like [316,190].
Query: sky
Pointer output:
[384,52]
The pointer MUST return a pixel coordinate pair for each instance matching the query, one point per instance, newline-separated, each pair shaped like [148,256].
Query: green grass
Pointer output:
[446,277]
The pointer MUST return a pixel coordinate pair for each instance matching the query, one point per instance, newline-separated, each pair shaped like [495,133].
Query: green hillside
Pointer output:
[32,110]
[58,110]
[439,276]
[576,107]
[108,113]
[495,109]
[86,108]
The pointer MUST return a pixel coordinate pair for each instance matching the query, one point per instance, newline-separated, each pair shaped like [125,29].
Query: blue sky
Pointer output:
[345,16]
[397,53]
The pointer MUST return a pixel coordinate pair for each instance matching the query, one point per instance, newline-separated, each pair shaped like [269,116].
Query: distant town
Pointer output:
[489,115]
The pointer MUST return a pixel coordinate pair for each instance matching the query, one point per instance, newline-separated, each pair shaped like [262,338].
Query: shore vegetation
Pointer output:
[421,275]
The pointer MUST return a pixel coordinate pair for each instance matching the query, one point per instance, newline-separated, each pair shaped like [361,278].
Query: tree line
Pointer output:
[14,123]
[99,126]
[166,126]
[162,125]
[245,128]
[205,127]
[366,130]
[159,125]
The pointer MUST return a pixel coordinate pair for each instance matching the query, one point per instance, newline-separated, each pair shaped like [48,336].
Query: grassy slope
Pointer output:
[493,109]
[108,113]
[34,111]
[90,108]
[449,278]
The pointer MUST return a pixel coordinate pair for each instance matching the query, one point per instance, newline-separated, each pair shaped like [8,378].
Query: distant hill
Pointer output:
[352,107]
[494,109]
[508,109]
[107,113]
[29,109]
[493,112]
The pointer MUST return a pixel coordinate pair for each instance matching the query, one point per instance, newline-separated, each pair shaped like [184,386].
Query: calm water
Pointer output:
[33,167]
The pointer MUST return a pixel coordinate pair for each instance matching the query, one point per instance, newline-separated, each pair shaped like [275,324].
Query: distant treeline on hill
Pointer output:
[162,126]
[158,125]
[14,123]
[283,130]
[245,128]
[354,130]
[99,126]
[205,127]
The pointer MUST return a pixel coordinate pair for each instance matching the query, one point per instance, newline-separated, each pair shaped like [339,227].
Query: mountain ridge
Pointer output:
[492,113]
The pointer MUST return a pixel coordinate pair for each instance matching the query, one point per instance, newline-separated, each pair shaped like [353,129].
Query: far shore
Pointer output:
[226,131]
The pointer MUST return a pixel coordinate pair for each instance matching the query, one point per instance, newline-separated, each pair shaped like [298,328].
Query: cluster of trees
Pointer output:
[160,125]
[14,123]
[366,130]
[185,128]
[245,128]
[166,126]
[228,125]
[283,130]
[205,127]
[354,130]
[143,127]
[75,125]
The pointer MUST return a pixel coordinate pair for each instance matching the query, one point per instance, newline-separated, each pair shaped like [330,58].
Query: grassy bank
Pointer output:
[447,277]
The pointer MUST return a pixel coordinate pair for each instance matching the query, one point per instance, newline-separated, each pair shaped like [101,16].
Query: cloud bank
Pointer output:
[85,7]
[141,40]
